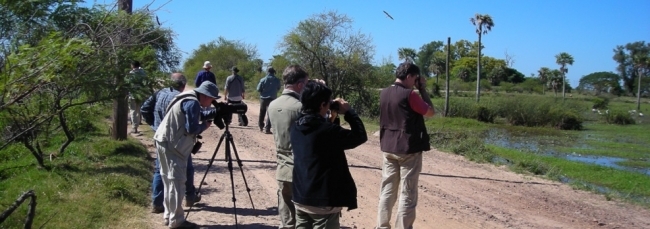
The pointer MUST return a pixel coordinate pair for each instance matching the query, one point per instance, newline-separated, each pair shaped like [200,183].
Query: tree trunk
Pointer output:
[68,134]
[120,106]
[31,212]
[638,92]
[478,69]
[563,83]
[38,154]
[447,76]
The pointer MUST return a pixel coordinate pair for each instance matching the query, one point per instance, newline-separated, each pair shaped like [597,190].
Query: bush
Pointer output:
[600,103]
[619,118]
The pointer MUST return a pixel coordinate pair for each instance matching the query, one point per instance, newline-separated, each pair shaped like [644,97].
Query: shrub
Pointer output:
[600,103]
[619,118]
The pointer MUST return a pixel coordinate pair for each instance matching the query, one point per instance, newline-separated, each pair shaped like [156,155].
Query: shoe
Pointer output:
[166,222]
[134,131]
[191,200]
[261,129]
[187,225]
[157,209]
[268,132]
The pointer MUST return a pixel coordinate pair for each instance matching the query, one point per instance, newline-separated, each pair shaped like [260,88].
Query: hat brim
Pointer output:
[206,93]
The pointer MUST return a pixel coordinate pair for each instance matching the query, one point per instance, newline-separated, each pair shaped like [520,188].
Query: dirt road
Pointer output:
[454,193]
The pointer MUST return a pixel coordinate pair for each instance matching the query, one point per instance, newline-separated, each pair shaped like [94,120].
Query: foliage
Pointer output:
[619,118]
[600,82]
[600,103]
[629,58]
[223,54]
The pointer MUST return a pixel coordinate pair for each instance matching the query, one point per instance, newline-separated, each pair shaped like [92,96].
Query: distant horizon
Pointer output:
[532,32]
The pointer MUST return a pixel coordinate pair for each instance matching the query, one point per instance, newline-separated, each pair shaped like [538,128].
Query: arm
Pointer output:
[243,88]
[350,139]
[225,88]
[259,85]
[192,111]
[419,105]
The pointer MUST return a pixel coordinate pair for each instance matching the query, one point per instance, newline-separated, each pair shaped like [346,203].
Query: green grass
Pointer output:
[98,183]
[623,184]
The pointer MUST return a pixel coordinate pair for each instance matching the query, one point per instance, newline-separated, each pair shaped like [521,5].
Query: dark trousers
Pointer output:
[264,105]
[243,120]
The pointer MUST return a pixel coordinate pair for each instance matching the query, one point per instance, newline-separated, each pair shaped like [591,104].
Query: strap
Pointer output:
[179,98]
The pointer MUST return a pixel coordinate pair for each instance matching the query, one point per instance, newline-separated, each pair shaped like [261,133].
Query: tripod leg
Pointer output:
[206,170]
[230,141]
[232,182]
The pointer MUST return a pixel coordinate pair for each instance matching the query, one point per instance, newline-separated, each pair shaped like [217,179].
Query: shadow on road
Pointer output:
[240,211]
[463,177]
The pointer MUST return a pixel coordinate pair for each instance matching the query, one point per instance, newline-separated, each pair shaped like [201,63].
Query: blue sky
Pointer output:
[532,31]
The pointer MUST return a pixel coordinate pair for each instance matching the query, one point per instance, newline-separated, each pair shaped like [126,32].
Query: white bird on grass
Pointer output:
[640,114]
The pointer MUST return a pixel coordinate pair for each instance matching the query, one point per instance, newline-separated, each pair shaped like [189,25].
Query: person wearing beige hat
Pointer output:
[174,140]
[205,75]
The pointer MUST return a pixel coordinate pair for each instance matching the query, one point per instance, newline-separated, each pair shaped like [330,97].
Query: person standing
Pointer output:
[136,81]
[403,137]
[205,75]
[161,100]
[282,113]
[174,141]
[322,183]
[235,94]
[268,88]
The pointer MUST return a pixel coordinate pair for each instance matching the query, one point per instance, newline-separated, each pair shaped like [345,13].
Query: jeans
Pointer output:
[157,195]
[264,105]
[400,174]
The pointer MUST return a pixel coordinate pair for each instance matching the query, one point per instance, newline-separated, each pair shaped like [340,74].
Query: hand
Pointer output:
[344,107]
[320,81]
[243,96]
[208,123]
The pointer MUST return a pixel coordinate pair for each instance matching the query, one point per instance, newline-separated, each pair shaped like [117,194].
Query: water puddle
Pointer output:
[540,145]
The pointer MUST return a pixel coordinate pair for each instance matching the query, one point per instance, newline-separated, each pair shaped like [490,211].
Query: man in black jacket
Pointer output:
[322,183]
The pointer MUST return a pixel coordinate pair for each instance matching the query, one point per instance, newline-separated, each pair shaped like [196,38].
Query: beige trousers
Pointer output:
[286,209]
[400,174]
[173,171]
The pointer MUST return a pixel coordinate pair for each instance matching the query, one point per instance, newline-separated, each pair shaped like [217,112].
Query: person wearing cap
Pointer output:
[174,141]
[268,88]
[161,101]
[235,93]
[205,75]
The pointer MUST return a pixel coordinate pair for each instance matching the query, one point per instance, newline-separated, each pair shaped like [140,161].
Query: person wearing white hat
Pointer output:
[175,138]
[205,75]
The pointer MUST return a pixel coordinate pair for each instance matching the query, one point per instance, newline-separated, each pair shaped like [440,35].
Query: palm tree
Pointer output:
[564,59]
[407,54]
[544,75]
[640,59]
[484,24]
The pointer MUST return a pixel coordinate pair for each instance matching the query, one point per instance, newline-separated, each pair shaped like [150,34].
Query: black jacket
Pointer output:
[321,177]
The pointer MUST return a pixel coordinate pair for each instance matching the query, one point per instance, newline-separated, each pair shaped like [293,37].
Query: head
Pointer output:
[407,73]
[178,81]
[295,78]
[234,70]
[207,65]
[135,64]
[271,71]
[207,93]
[315,98]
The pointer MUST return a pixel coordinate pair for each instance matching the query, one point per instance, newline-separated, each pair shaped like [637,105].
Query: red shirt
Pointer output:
[417,103]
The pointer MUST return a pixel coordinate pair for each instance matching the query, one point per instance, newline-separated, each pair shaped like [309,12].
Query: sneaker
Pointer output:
[157,209]
[187,225]
[166,222]
[268,132]
[191,200]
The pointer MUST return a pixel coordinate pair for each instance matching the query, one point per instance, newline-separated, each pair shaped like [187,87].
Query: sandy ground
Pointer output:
[454,192]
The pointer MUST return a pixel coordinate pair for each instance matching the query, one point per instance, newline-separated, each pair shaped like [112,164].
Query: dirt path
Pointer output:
[454,193]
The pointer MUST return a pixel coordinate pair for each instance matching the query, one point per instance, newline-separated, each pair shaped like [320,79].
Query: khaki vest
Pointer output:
[172,128]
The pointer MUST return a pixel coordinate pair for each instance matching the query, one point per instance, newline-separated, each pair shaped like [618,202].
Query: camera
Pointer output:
[224,110]
[335,105]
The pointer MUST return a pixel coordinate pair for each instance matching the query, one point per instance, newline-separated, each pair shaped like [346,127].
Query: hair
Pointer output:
[314,95]
[294,74]
[270,70]
[178,80]
[135,63]
[405,69]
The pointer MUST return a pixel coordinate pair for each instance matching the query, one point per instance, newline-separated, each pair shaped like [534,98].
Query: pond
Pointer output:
[548,145]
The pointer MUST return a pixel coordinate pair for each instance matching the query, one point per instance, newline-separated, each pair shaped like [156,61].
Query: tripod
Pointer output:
[229,141]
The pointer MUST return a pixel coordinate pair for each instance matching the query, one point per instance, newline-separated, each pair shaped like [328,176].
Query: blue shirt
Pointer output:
[268,87]
[191,110]
[204,75]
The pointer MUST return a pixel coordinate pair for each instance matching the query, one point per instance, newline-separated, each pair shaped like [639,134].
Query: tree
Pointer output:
[563,59]
[600,82]
[223,54]
[406,54]
[430,54]
[544,74]
[483,24]
[627,69]
[640,59]
[328,48]
[120,103]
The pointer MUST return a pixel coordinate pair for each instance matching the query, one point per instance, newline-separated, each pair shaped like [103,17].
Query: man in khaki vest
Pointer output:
[174,141]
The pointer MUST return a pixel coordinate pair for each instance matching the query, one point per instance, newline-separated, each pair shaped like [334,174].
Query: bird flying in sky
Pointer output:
[391,18]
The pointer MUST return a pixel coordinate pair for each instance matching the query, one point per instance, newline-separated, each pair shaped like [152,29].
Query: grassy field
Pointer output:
[98,183]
